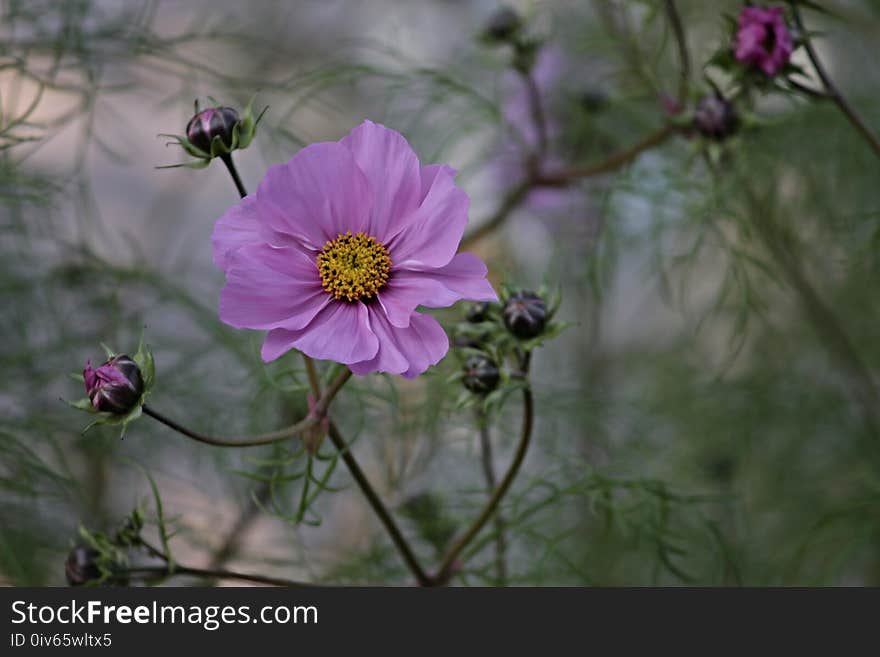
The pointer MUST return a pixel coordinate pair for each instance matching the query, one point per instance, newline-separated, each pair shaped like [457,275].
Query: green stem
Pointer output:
[263,439]
[448,564]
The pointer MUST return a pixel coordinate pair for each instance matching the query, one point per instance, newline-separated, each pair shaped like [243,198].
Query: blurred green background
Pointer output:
[709,418]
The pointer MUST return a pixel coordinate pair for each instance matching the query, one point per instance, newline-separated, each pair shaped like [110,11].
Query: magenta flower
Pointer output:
[763,39]
[340,245]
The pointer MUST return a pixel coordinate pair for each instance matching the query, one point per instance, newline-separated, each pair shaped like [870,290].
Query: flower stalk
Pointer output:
[233,172]
[831,90]
[312,420]
[448,564]
[394,532]
[162,572]
[562,178]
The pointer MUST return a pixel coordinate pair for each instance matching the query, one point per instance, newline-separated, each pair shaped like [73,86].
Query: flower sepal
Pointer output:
[96,560]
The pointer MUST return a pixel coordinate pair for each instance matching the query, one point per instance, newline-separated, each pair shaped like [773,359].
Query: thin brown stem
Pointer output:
[233,172]
[684,57]
[489,474]
[312,373]
[379,508]
[211,573]
[449,562]
[153,550]
[610,164]
[562,178]
[833,92]
[267,438]
[809,91]
[536,109]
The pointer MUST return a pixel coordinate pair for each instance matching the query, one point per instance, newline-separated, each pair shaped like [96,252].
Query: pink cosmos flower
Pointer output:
[340,245]
[763,39]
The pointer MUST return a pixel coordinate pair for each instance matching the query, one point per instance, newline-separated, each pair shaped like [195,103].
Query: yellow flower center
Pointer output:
[353,267]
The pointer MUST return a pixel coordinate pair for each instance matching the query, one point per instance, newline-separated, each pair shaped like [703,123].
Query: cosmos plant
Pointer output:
[340,249]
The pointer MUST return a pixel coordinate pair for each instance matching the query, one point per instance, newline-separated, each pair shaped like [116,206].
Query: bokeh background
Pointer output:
[706,420]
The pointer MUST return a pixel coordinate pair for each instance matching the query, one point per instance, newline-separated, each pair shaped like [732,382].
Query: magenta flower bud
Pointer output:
[481,375]
[715,117]
[763,40]
[81,566]
[525,314]
[209,123]
[114,387]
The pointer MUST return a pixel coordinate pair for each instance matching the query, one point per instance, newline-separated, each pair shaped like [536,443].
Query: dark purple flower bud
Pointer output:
[763,40]
[525,314]
[478,312]
[503,25]
[481,374]
[209,123]
[114,387]
[81,566]
[715,117]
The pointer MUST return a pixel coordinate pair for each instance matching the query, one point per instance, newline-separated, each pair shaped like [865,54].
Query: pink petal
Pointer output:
[392,168]
[388,358]
[749,42]
[463,278]
[406,291]
[340,332]
[90,375]
[109,374]
[434,230]
[428,174]
[269,288]
[318,194]
[408,351]
[239,226]
[425,344]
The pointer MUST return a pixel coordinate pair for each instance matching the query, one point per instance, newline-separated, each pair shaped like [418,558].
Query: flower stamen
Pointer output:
[353,267]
